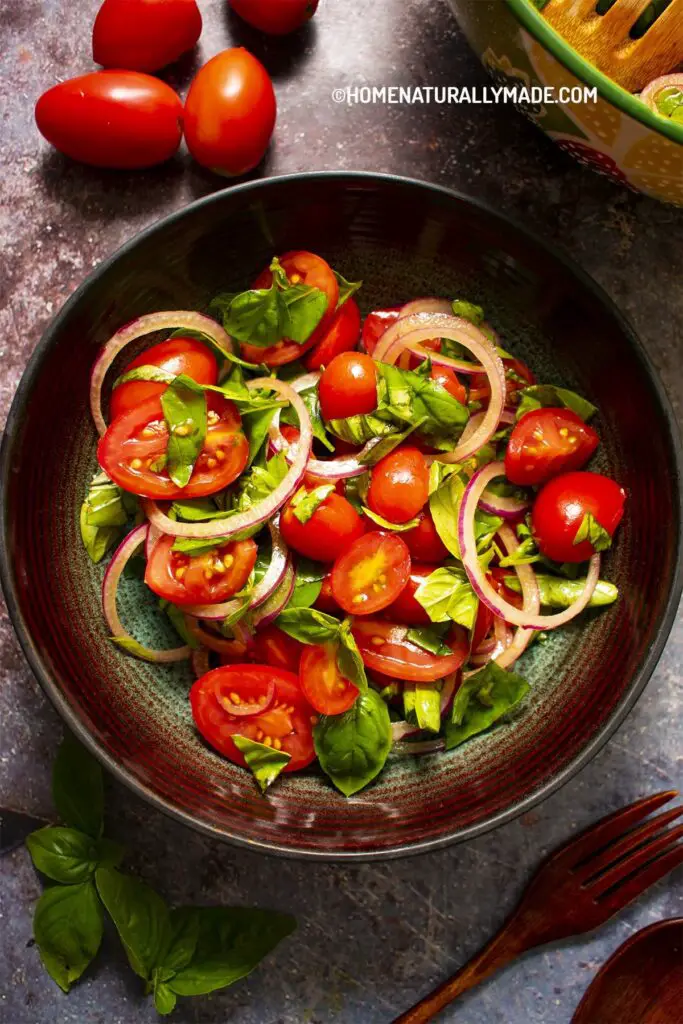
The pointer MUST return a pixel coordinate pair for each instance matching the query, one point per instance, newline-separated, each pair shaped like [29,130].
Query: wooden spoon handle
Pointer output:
[501,950]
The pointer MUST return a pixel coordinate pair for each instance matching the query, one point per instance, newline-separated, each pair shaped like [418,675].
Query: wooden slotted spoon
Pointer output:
[604,39]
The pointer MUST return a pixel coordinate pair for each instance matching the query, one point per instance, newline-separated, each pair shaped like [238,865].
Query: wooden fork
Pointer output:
[604,39]
[577,888]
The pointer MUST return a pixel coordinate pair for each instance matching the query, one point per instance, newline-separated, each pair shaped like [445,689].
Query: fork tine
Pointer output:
[622,16]
[612,827]
[632,888]
[592,866]
[636,860]
[664,39]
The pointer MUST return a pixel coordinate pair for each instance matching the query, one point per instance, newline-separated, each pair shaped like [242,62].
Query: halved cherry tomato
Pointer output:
[199,579]
[376,324]
[341,336]
[119,119]
[482,624]
[275,647]
[333,526]
[176,355]
[144,35]
[384,648]
[132,452]
[348,386]
[301,267]
[277,17]
[546,442]
[406,609]
[399,485]
[230,113]
[370,573]
[286,725]
[323,685]
[447,379]
[561,506]
[325,601]
[517,376]
[423,541]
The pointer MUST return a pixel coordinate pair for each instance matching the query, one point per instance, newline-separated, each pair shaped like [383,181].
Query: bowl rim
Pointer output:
[41,670]
[543,32]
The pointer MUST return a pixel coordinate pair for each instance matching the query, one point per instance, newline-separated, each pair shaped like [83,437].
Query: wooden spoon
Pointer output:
[642,983]
[604,39]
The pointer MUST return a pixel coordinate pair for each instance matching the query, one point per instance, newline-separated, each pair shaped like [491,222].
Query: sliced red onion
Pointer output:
[506,508]
[126,549]
[397,337]
[200,662]
[477,576]
[152,537]
[419,746]
[173,319]
[399,730]
[531,601]
[219,644]
[271,608]
[443,306]
[270,582]
[270,505]
[652,90]
[508,417]
[448,692]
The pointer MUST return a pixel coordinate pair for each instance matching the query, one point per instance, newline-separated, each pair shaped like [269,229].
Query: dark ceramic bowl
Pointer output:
[404,239]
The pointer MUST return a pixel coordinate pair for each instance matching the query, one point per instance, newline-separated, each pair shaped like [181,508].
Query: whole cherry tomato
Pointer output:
[333,526]
[406,608]
[561,506]
[119,119]
[376,324]
[176,355]
[547,442]
[144,35]
[276,17]
[399,485]
[230,113]
[348,386]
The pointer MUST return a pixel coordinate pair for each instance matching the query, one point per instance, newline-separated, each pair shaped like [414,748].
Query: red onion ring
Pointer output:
[443,306]
[185,319]
[153,536]
[649,93]
[200,662]
[135,539]
[270,505]
[391,343]
[419,746]
[506,508]
[531,598]
[477,576]
[219,644]
[271,608]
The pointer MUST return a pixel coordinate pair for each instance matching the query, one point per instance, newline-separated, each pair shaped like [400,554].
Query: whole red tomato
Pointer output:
[144,35]
[119,119]
[230,113]
[277,17]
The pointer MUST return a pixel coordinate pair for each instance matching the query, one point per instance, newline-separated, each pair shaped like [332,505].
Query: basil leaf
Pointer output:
[429,640]
[231,942]
[540,396]
[447,594]
[311,400]
[164,998]
[468,311]
[385,445]
[184,935]
[556,592]
[591,530]
[140,915]
[255,425]
[103,513]
[408,397]
[486,526]
[305,502]
[346,288]
[308,625]
[78,788]
[198,545]
[444,505]
[198,510]
[177,619]
[386,525]
[307,584]
[132,646]
[260,482]
[361,428]
[482,700]
[184,405]
[349,660]
[421,705]
[146,372]
[265,762]
[67,927]
[356,490]
[69,856]
[352,748]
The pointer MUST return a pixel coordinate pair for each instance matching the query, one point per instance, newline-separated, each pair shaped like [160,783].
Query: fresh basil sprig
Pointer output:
[104,513]
[540,396]
[177,952]
[482,700]
[346,288]
[429,640]
[421,705]
[352,748]
[447,594]
[184,406]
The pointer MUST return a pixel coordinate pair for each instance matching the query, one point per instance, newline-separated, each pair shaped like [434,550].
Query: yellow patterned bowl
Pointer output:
[617,135]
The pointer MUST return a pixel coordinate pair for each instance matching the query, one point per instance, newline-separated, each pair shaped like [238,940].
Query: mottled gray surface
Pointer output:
[371,938]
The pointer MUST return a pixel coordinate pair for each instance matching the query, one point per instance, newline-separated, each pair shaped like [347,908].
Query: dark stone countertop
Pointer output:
[371,938]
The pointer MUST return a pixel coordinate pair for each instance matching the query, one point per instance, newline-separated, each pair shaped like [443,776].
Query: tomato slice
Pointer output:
[286,725]
[341,335]
[132,452]
[275,647]
[376,324]
[371,573]
[323,685]
[175,355]
[199,579]
[301,268]
[384,648]
[547,442]
[333,526]
[405,608]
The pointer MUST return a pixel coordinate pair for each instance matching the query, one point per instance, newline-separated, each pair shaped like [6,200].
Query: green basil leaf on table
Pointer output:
[67,928]
[308,625]
[556,592]
[422,705]
[386,525]
[231,942]
[540,396]
[481,700]
[307,583]
[352,748]
[165,998]
[346,288]
[447,594]
[265,762]
[468,311]
[591,530]
[78,787]
[68,855]
[429,640]
[349,660]
[184,406]
[305,502]
[140,915]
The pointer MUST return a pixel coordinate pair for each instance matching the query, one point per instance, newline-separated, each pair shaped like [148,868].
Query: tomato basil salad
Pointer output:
[356,528]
